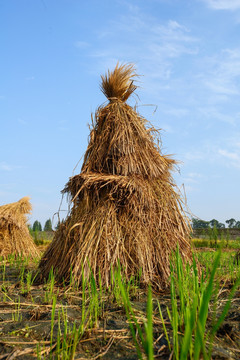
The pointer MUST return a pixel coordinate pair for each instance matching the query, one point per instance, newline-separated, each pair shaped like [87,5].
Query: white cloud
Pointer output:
[223,72]
[184,189]
[191,182]
[223,4]
[172,31]
[178,112]
[194,155]
[81,44]
[194,175]
[166,128]
[21,121]
[229,155]
[219,85]
[7,167]
[188,189]
[213,113]
[145,40]
[232,156]
[63,129]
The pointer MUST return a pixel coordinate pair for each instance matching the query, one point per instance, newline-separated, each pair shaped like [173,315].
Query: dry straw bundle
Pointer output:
[124,207]
[14,234]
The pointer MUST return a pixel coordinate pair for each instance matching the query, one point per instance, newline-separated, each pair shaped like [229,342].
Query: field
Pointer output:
[197,317]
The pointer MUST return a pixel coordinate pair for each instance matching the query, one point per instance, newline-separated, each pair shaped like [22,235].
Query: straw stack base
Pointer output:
[112,232]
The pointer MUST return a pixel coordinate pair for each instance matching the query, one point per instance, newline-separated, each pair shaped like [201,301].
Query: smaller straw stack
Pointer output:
[14,233]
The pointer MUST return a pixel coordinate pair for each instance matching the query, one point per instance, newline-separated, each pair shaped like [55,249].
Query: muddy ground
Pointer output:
[26,322]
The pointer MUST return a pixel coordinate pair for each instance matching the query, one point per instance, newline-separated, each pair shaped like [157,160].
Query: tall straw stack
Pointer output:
[124,205]
[14,234]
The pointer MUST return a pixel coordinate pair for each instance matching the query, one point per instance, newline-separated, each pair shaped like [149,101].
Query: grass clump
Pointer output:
[191,296]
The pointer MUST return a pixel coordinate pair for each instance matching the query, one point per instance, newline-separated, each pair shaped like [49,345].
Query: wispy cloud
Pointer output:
[21,121]
[81,44]
[220,85]
[223,151]
[173,31]
[166,128]
[177,112]
[191,182]
[194,176]
[223,4]
[232,157]
[151,43]
[229,155]
[194,155]
[223,72]
[237,144]
[177,74]
[7,167]
[30,78]
[217,114]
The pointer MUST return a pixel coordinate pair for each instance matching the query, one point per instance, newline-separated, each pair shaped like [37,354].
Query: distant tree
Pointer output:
[199,224]
[217,224]
[237,225]
[213,223]
[231,223]
[48,225]
[37,226]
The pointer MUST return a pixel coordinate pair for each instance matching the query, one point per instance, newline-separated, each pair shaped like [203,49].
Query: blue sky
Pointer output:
[52,55]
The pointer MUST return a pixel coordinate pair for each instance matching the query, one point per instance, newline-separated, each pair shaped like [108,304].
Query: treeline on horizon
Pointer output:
[202,224]
[37,226]
[195,223]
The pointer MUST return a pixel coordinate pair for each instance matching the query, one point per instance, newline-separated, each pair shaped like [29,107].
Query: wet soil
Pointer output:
[29,331]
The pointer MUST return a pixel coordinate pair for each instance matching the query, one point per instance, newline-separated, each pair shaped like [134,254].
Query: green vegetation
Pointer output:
[70,322]
[214,237]
[218,244]
[41,237]
[190,300]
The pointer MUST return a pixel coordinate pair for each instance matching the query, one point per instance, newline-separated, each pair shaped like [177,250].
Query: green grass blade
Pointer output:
[164,327]
[203,312]
[189,327]
[149,326]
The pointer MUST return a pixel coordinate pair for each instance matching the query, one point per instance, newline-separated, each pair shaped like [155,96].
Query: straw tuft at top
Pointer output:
[118,84]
